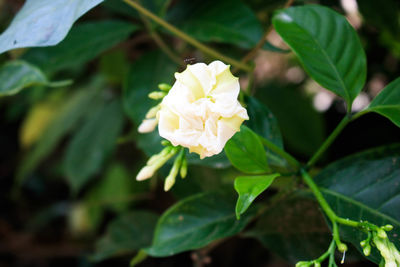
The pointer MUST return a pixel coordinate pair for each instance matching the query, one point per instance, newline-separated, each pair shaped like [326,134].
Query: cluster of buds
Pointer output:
[379,238]
[150,122]
[155,162]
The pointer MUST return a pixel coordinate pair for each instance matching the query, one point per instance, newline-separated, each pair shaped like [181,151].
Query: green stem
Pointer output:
[328,141]
[187,38]
[328,211]
[160,42]
[276,149]
[330,250]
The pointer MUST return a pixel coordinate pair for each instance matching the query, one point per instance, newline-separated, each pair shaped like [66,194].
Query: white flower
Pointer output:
[201,111]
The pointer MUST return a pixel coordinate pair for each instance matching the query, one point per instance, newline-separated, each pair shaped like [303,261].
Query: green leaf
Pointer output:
[365,186]
[225,21]
[303,128]
[126,234]
[262,121]
[92,143]
[84,42]
[195,222]
[246,152]
[17,75]
[248,188]
[327,46]
[293,228]
[43,23]
[65,119]
[387,102]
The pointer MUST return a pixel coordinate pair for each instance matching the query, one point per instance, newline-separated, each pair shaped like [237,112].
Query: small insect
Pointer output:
[190,60]
[15,42]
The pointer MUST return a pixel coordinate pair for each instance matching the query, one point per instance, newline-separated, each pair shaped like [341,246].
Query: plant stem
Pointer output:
[328,141]
[187,38]
[276,149]
[330,250]
[263,39]
[159,41]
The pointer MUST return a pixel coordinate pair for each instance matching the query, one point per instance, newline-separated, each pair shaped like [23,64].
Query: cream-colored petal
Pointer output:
[147,125]
[191,82]
[217,67]
[203,75]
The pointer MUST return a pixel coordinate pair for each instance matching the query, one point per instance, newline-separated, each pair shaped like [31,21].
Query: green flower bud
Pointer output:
[367,250]
[387,227]
[157,95]
[183,171]
[164,87]
[170,180]
[165,143]
[342,247]
[381,233]
[363,243]
[303,264]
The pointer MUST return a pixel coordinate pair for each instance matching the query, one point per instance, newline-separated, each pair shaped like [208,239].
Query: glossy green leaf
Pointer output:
[225,21]
[65,119]
[92,143]
[246,152]
[387,102]
[85,41]
[195,222]
[327,46]
[248,188]
[263,122]
[18,75]
[301,125]
[365,186]
[43,23]
[126,234]
[293,228]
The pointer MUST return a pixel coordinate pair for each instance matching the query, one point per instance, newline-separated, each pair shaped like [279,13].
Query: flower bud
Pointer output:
[183,171]
[363,243]
[165,143]
[155,162]
[342,247]
[147,125]
[145,173]
[157,95]
[387,227]
[381,233]
[170,180]
[164,87]
[303,264]
[367,250]
[153,112]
